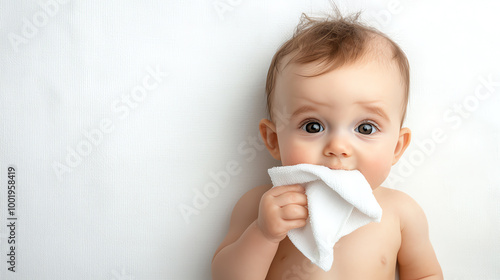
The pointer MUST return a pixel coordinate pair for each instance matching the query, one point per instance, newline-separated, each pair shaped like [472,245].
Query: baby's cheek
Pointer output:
[295,153]
[293,156]
[376,170]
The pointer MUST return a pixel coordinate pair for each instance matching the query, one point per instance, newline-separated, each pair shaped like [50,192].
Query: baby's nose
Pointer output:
[338,145]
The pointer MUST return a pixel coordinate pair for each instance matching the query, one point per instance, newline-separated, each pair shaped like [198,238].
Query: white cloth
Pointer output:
[339,202]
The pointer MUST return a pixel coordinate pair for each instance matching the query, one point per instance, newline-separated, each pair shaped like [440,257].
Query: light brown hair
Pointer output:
[334,43]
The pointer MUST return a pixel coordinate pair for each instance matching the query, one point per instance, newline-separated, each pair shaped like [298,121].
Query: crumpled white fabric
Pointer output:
[339,202]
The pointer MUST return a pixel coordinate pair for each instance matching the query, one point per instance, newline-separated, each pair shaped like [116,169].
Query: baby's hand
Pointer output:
[281,209]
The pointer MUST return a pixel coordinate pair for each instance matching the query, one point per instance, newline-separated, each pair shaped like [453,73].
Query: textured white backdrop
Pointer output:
[120,116]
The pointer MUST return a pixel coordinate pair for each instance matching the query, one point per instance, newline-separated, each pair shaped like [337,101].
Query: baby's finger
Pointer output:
[288,198]
[294,212]
[296,223]
[277,191]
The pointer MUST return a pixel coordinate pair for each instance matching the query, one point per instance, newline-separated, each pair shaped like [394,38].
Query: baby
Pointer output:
[337,93]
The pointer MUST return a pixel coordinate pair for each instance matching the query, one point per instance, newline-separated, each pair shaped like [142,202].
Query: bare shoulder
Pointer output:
[246,209]
[250,200]
[406,208]
[244,213]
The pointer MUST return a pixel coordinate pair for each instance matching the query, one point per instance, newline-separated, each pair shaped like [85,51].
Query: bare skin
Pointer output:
[369,252]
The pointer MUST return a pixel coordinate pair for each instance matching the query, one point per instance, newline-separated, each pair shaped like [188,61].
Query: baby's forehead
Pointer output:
[295,78]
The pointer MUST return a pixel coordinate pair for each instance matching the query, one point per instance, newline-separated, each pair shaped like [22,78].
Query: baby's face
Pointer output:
[348,118]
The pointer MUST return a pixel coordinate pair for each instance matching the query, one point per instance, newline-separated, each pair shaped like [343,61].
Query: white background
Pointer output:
[115,213]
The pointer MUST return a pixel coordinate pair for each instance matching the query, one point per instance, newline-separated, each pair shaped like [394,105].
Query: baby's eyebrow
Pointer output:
[369,106]
[374,109]
[303,109]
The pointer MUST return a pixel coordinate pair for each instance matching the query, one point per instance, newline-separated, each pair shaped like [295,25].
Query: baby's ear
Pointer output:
[402,144]
[270,137]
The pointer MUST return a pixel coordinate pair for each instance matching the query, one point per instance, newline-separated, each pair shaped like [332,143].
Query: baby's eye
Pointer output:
[366,128]
[313,127]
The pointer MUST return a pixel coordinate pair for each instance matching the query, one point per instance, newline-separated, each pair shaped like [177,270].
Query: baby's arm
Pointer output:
[257,226]
[416,256]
